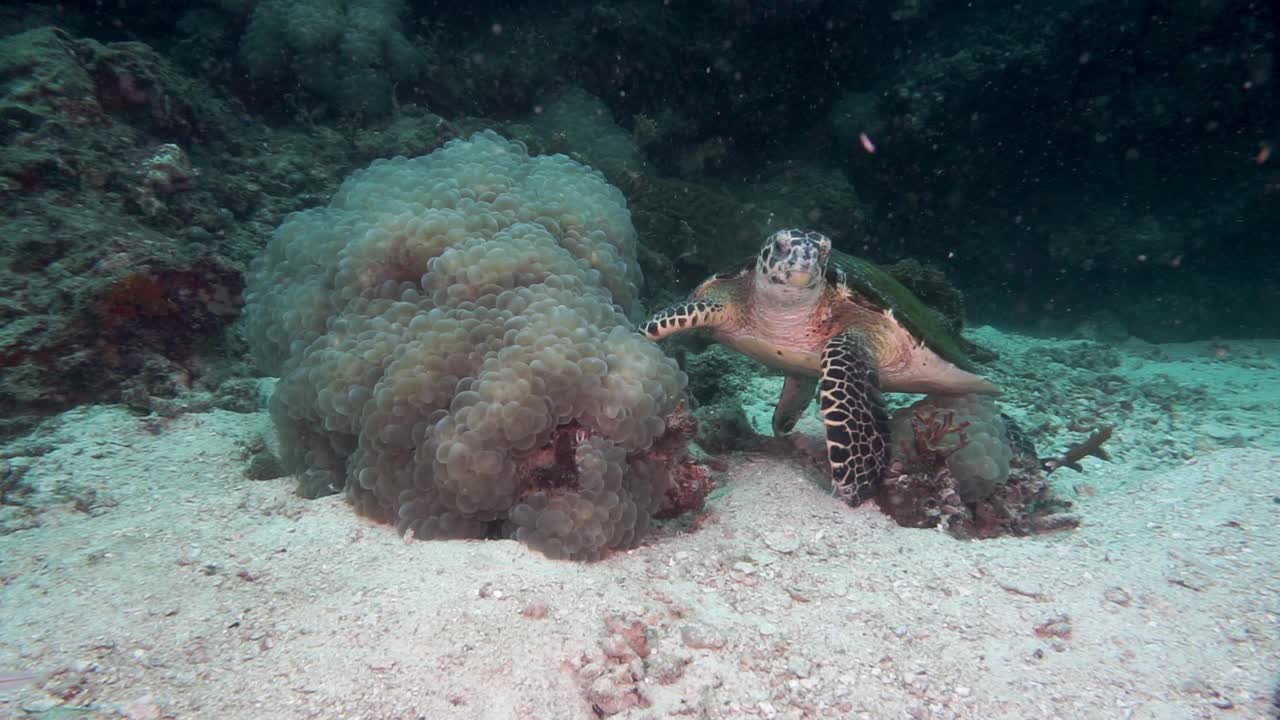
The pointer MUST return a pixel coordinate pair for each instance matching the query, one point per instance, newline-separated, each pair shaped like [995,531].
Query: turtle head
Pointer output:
[794,259]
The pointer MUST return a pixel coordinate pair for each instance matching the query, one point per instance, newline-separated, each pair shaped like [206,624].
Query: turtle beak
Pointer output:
[799,278]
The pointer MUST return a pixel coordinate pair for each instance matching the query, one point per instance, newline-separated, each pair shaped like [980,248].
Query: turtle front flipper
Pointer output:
[853,411]
[684,316]
[797,391]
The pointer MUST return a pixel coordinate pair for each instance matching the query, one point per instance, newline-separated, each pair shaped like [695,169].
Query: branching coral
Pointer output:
[934,435]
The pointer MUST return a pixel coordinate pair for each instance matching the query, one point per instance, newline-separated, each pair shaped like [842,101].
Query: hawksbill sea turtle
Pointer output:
[834,323]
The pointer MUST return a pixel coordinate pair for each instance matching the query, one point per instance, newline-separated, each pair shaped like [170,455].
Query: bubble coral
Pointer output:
[453,340]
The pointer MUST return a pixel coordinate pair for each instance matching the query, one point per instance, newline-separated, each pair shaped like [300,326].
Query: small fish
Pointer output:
[1091,447]
[16,680]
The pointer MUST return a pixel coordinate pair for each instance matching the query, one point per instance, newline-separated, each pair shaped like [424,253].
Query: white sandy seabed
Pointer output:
[155,581]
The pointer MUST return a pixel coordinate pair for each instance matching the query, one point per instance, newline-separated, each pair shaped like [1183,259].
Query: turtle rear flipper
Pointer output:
[684,316]
[854,415]
[797,391]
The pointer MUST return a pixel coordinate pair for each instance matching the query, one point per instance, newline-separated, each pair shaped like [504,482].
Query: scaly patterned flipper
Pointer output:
[684,316]
[852,410]
[797,391]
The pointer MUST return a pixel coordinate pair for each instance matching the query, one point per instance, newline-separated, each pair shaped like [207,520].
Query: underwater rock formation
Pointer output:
[119,276]
[351,53]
